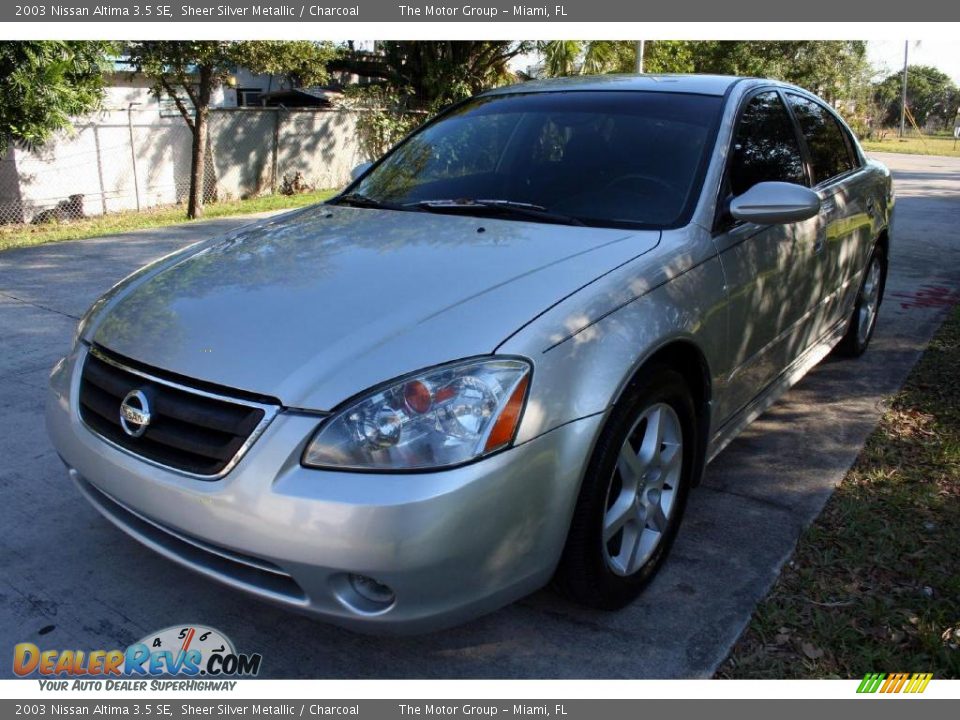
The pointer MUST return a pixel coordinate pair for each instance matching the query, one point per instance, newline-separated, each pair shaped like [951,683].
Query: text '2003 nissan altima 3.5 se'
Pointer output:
[502,356]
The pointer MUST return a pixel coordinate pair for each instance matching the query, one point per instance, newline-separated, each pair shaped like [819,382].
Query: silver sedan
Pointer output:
[501,357]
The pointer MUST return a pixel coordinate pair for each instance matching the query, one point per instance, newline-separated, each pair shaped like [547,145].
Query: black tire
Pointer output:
[854,343]
[584,574]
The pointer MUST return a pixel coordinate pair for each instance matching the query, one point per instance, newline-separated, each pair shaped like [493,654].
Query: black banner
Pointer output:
[576,11]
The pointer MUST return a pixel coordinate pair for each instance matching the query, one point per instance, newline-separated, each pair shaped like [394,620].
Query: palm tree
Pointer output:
[560,56]
[600,56]
[577,57]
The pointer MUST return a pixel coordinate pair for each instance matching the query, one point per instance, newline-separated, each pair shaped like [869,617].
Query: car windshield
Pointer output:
[633,159]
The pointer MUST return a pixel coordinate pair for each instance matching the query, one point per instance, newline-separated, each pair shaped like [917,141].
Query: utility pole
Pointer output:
[639,66]
[133,153]
[903,97]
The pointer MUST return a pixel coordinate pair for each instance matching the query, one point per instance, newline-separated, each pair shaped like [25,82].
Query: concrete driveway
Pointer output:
[68,579]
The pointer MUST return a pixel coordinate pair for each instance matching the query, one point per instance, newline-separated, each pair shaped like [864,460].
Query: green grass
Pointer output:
[874,584]
[929,145]
[14,236]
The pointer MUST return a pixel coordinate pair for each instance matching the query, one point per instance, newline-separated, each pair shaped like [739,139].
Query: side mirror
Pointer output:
[775,203]
[360,170]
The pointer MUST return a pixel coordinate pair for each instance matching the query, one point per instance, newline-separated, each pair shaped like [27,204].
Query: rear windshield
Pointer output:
[605,158]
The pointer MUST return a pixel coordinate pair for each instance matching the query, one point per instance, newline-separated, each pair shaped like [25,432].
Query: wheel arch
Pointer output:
[683,355]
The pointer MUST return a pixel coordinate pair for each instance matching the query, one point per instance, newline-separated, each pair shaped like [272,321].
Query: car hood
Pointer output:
[318,305]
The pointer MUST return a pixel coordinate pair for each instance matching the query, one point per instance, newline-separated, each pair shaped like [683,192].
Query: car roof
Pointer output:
[694,84]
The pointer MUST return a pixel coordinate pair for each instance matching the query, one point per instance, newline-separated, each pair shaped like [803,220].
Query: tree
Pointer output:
[437,73]
[383,117]
[576,57]
[668,56]
[931,96]
[43,83]
[188,72]
[562,57]
[833,69]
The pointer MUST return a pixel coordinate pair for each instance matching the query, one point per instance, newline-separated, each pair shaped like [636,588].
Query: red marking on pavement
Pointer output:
[928,296]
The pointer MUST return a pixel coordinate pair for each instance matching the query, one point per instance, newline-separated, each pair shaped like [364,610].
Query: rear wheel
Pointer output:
[863,321]
[633,494]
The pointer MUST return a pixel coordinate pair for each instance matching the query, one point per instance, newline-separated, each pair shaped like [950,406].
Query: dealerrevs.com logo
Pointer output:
[191,651]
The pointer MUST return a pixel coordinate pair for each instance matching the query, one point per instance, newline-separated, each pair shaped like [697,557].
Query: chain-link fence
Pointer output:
[132,159]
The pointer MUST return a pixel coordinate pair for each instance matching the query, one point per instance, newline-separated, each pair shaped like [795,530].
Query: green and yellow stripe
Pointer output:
[894,682]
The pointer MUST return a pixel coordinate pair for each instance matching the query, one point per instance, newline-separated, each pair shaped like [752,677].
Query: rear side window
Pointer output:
[765,146]
[829,152]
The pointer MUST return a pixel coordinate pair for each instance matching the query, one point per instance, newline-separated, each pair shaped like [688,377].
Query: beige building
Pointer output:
[135,152]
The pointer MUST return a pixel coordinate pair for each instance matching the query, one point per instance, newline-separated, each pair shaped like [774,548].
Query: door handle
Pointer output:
[819,245]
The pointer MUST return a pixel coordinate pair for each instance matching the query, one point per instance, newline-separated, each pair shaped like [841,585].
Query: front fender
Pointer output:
[584,356]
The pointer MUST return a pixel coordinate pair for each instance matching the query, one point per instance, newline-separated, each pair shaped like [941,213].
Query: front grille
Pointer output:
[189,430]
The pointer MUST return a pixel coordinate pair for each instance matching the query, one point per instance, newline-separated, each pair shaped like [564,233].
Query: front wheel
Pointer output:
[633,494]
[863,321]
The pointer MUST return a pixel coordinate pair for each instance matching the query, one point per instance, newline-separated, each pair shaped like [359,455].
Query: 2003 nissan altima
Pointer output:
[503,355]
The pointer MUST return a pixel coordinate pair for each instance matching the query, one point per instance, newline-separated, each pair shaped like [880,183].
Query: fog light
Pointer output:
[362,595]
[371,590]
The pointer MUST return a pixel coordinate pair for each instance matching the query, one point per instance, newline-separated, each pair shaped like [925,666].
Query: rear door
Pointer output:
[769,269]
[845,216]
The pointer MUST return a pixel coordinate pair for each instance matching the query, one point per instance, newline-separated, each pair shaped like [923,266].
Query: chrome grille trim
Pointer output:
[269,412]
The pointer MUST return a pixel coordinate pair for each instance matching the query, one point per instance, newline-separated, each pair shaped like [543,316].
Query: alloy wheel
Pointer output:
[643,490]
[869,301]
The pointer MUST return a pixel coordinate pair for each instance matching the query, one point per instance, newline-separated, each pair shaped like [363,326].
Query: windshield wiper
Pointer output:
[502,207]
[363,201]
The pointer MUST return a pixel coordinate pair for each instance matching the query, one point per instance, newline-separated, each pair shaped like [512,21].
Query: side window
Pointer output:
[829,153]
[851,146]
[765,146]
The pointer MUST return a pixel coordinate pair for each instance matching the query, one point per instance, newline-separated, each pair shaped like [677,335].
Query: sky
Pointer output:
[887,55]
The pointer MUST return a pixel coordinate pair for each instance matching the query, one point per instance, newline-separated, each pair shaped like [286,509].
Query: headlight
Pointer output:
[441,417]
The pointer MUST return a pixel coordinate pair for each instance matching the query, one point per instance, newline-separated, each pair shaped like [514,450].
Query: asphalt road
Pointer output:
[69,579]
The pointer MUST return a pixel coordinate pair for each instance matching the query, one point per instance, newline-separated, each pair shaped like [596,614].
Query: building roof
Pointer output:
[696,84]
[301,97]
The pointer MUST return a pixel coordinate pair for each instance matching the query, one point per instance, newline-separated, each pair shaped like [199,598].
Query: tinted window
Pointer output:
[829,153]
[605,158]
[474,149]
[765,146]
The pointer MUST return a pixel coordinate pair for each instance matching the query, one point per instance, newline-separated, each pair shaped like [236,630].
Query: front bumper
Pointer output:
[451,544]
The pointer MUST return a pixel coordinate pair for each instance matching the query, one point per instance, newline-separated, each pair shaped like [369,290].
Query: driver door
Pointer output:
[769,269]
